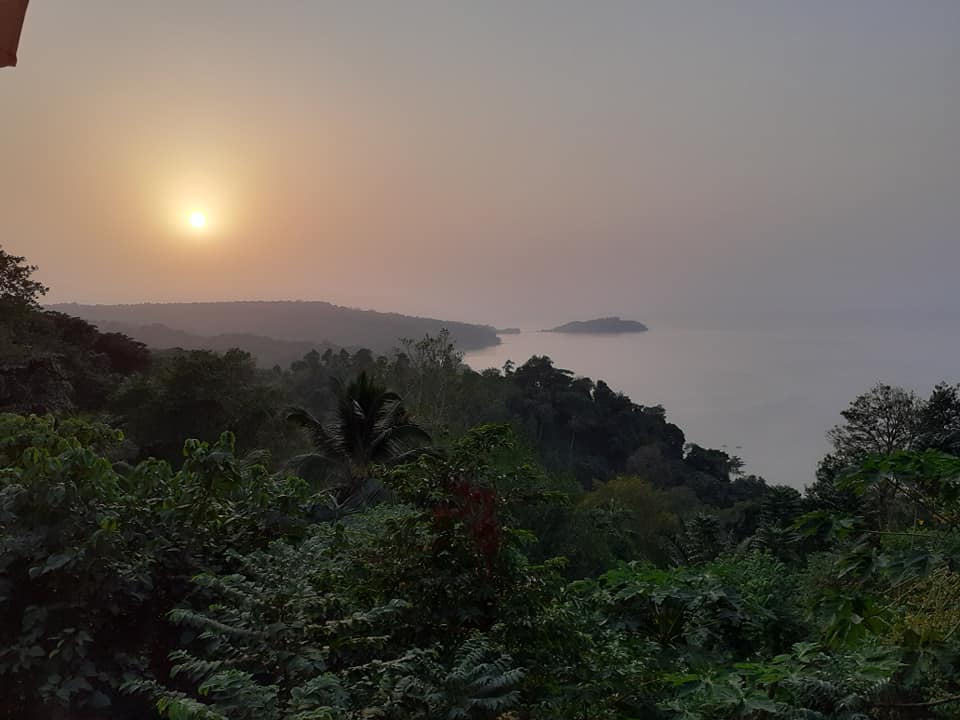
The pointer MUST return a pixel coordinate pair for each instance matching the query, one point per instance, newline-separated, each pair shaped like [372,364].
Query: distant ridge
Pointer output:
[605,325]
[298,321]
[266,351]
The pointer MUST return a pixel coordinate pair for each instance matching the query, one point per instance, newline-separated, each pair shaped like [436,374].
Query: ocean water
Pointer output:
[767,394]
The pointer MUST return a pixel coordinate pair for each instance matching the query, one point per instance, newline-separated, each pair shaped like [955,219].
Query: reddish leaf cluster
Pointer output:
[475,508]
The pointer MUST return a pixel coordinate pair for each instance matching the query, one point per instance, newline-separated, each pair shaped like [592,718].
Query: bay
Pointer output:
[767,393]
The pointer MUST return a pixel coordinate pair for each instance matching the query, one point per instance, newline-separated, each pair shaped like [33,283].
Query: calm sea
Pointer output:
[767,395]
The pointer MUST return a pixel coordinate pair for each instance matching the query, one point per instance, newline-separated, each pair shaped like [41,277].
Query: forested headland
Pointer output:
[318,323]
[390,534]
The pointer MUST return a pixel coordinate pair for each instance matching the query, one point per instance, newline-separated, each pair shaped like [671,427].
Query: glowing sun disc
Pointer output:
[198,220]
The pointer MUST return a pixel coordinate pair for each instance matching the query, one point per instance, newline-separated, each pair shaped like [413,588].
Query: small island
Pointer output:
[508,331]
[606,326]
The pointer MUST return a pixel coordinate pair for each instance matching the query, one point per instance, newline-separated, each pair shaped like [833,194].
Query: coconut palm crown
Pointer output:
[369,426]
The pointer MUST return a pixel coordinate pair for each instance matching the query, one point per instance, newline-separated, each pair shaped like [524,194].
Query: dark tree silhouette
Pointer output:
[16,284]
[369,426]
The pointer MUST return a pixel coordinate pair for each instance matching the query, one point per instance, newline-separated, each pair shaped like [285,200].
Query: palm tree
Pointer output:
[369,426]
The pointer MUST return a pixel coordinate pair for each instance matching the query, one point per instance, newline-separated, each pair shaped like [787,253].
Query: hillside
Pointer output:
[266,351]
[313,322]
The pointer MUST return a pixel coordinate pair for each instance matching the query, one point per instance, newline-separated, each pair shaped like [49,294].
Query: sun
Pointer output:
[198,220]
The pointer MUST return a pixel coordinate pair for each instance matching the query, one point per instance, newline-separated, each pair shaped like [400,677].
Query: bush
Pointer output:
[92,559]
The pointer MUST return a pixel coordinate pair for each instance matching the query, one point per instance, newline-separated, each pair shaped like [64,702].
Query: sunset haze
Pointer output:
[684,153]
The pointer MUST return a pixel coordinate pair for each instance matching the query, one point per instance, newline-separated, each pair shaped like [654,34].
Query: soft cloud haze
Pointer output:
[518,163]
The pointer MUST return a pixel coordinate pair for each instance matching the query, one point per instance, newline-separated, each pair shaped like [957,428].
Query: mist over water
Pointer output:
[765,393]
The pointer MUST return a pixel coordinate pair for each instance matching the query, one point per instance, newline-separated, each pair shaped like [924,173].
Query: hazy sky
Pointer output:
[507,162]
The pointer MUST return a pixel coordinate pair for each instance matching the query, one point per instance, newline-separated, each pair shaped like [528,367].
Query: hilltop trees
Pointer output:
[938,424]
[51,362]
[16,283]
[432,365]
[883,421]
[577,426]
[194,394]
[887,419]
[584,427]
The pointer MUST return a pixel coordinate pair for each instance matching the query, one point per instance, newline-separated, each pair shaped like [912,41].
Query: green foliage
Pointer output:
[91,559]
[577,427]
[928,480]
[196,394]
[569,556]
[429,370]
[635,519]
[584,427]
[886,422]
[205,593]
[803,683]
[327,628]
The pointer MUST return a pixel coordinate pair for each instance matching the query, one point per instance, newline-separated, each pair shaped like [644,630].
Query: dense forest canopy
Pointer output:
[391,534]
[266,351]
